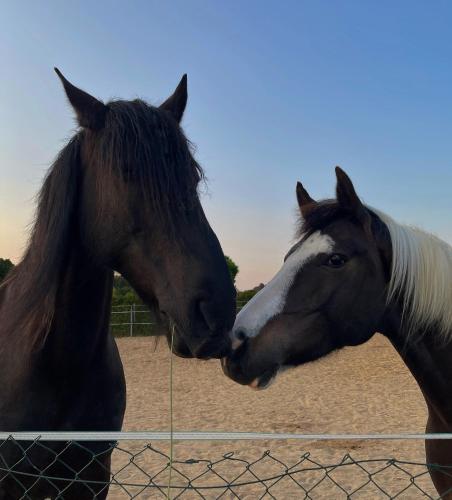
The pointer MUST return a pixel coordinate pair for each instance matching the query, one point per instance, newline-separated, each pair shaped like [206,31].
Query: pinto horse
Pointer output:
[355,271]
[122,196]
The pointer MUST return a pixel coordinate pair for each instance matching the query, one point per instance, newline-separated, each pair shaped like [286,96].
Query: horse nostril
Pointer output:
[240,335]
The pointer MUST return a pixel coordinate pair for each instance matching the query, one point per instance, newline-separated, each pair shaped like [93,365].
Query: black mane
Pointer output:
[31,288]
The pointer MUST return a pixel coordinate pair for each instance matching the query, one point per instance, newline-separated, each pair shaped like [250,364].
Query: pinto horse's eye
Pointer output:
[336,260]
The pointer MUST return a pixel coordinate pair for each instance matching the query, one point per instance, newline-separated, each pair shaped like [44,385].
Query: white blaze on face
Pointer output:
[271,299]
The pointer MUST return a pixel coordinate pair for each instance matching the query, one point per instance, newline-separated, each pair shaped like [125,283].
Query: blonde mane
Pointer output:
[421,277]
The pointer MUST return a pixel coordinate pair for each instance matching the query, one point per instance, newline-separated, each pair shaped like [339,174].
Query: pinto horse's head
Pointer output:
[140,214]
[330,292]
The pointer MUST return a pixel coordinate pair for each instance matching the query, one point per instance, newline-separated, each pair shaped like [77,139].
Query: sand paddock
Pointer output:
[363,389]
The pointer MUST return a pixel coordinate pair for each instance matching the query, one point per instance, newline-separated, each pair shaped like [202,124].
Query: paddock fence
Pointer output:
[136,320]
[150,465]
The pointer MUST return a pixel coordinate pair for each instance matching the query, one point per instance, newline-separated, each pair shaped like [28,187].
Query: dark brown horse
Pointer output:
[354,271]
[121,196]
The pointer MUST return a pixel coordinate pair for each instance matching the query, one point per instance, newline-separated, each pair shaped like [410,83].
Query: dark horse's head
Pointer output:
[140,214]
[330,292]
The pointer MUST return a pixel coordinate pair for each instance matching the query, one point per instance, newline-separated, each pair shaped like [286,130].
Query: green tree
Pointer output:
[246,295]
[123,293]
[232,267]
[5,267]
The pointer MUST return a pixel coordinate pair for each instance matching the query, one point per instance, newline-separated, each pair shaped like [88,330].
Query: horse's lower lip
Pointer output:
[264,380]
[233,369]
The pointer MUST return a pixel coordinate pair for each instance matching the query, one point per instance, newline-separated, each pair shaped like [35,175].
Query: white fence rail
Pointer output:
[209,436]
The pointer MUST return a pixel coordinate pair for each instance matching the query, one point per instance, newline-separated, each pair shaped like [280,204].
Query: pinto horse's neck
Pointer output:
[430,362]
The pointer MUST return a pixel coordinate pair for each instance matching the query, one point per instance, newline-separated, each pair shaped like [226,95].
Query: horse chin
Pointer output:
[210,348]
[178,347]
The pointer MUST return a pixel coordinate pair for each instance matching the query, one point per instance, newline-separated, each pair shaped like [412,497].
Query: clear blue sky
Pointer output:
[278,91]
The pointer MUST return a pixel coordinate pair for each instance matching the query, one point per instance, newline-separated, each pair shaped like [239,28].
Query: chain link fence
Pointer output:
[80,469]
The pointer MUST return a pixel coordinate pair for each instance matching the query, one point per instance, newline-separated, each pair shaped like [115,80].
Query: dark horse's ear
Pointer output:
[90,112]
[347,197]
[305,202]
[175,104]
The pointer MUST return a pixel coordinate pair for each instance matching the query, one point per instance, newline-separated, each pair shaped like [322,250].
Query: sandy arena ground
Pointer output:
[363,389]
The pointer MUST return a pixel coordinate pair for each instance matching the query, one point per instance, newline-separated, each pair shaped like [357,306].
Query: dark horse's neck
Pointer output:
[75,381]
[81,321]
[430,361]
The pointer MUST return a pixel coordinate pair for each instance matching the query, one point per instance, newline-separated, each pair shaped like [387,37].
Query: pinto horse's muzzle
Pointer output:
[237,367]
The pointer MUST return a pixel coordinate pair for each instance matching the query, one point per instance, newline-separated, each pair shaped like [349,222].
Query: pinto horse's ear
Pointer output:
[175,104]
[90,112]
[345,192]
[305,202]
[347,197]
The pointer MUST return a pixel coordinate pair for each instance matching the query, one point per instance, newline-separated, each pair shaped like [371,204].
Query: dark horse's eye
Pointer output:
[336,260]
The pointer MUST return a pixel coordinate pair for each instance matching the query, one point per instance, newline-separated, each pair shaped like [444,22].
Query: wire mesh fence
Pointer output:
[135,468]
[133,320]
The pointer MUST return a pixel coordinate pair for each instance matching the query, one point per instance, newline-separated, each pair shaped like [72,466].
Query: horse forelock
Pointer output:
[143,145]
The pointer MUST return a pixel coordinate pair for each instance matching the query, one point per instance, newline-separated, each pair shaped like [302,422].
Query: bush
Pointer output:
[5,267]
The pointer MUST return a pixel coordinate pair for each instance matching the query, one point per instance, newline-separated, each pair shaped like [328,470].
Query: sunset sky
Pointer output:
[278,92]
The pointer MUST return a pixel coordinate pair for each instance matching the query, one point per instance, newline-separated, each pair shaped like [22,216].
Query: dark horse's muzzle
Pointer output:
[213,347]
